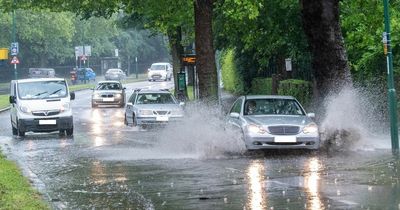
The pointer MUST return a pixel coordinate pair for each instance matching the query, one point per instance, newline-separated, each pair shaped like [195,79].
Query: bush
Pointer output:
[231,79]
[261,86]
[300,89]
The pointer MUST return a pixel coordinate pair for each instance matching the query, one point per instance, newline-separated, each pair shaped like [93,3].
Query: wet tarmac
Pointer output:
[107,165]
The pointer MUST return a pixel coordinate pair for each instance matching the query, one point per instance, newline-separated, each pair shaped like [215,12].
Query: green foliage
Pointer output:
[231,79]
[4,103]
[15,190]
[261,86]
[299,89]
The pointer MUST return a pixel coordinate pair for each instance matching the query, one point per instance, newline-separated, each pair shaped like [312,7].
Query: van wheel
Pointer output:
[21,133]
[125,120]
[14,130]
[70,131]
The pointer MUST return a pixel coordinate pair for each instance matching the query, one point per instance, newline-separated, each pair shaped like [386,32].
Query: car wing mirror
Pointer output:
[311,115]
[72,95]
[234,115]
[129,104]
[12,99]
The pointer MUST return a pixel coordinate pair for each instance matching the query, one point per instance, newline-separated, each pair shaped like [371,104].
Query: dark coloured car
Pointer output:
[115,74]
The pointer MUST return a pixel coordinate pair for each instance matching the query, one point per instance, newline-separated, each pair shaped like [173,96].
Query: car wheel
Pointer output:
[134,121]
[70,131]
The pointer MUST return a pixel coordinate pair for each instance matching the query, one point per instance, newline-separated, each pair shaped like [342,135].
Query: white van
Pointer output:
[160,71]
[41,105]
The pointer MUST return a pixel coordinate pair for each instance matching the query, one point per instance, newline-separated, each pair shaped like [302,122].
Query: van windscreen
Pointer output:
[157,67]
[42,90]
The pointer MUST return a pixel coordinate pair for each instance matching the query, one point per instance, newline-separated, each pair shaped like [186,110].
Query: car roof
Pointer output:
[161,63]
[113,69]
[109,81]
[268,97]
[38,80]
[152,91]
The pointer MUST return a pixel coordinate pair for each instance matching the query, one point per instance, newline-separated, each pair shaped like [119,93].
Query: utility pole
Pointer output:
[14,38]
[136,68]
[390,81]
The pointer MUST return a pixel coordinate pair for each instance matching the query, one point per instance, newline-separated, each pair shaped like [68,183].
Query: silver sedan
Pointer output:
[274,122]
[146,107]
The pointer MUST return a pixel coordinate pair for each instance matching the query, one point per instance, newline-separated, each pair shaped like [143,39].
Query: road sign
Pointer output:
[83,58]
[3,53]
[189,59]
[14,60]
[80,50]
[14,48]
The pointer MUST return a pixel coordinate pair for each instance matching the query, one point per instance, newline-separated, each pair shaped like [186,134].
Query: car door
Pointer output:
[129,107]
[236,108]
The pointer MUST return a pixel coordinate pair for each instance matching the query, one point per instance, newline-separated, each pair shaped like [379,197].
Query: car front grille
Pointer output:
[161,112]
[284,130]
[107,95]
[46,112]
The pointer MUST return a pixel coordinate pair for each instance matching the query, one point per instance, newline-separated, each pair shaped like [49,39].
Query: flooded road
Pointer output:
[108,165]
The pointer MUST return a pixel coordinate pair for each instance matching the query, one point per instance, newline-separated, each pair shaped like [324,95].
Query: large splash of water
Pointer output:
[203,133]
[355,120]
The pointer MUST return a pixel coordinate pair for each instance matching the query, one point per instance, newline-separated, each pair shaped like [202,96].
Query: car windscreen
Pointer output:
[109,86]
[42,90]
[157,67]
[272,107]
[155,98]
[113,71]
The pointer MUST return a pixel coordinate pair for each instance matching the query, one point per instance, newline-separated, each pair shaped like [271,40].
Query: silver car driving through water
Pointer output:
[274,122]
[146,107]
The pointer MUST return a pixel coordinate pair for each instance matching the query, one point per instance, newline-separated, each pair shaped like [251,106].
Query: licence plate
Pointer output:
[162,118]
[47,122]
[108,99]
[285,139]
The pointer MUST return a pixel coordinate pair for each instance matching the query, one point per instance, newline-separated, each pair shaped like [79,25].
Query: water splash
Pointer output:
[203,132]
[354,120]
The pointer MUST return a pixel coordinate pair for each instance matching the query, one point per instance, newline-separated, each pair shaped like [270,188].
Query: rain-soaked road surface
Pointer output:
[107,165]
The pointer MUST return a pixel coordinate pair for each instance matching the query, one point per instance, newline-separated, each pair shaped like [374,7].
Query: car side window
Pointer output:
[132,98]
[237,106]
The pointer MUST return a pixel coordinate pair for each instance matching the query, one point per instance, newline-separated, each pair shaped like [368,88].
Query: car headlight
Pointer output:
[25,109]
[310,128]
[65,107]
[118,95]
[145,112]
[96,96]
[255,129]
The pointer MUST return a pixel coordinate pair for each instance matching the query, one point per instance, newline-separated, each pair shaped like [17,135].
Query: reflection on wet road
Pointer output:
[108,165]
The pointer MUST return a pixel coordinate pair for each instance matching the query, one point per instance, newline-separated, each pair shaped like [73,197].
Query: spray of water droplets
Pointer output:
[203,133]
[355,119]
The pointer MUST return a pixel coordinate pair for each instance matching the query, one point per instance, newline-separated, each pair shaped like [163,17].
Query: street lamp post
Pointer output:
[390,81]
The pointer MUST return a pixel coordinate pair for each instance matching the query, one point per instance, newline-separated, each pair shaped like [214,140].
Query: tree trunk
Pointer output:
[329,59]
[205,55]
[175,37]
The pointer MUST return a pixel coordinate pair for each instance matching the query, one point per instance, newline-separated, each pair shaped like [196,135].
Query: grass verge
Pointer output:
[15,190]
[4,101]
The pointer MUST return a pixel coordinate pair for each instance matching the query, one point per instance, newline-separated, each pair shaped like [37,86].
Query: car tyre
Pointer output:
[70,131]
[134,121]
